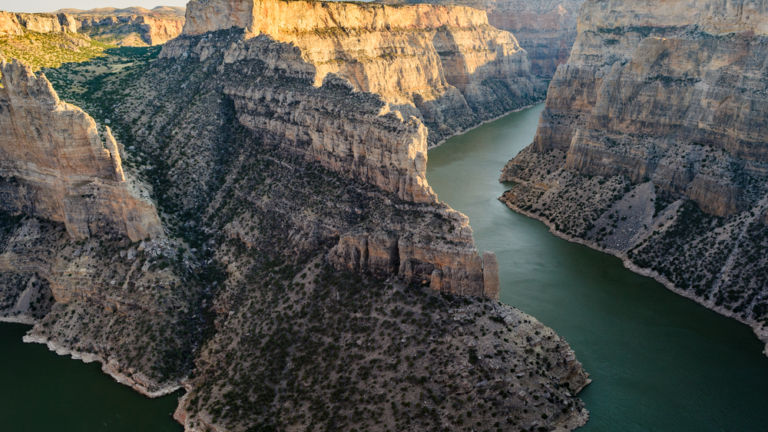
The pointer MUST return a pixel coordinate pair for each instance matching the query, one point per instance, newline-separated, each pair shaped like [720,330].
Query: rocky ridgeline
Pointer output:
[55,165]
[445,65]
[653,147]
[126,27]
[350,133]
[546,29]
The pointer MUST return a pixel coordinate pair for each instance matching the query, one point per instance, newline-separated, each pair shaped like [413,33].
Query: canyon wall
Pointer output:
[653,146]
[55,164]
[304,254]
[355,135]
[304,246]
[125,27]
[546,29]
[16,23]
[444,65]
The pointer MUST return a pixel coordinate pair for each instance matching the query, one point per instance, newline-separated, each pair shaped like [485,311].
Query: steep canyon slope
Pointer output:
[653,147]
[306,274]
[124,27]
[446,65]
[546,29]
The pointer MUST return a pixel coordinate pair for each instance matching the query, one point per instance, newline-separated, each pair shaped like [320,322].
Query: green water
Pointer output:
[659,362]
[43,392]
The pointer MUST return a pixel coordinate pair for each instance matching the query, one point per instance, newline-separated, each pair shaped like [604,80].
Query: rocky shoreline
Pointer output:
[483,123]
[760,331]
[137,381]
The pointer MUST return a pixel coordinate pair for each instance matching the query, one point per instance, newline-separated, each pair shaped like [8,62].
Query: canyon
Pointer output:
[445,65]
[303,272]
[122,27]
[652,148]
[546,29]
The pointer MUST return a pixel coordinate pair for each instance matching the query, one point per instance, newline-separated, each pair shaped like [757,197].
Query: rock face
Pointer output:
[653,147]
[129,27]
[134,26]
[546,29]
[55,165]
[445,65]
[353,134]
[16,23]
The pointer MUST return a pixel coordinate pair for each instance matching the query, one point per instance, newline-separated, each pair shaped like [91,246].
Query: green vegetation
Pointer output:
[41,50]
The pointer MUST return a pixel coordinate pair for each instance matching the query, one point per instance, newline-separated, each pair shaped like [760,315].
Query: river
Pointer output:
[43,392]
[658,361]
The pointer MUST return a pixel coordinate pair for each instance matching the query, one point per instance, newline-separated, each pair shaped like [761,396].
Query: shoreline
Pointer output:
[760,332]
[110,367]
[19,319]
[484,122]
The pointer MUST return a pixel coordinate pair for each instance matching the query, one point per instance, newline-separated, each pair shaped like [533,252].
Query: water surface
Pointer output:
[659,362]
[43,392]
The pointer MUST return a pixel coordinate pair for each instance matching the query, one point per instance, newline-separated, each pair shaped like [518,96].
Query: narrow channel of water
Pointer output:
[43,392]
[659,362]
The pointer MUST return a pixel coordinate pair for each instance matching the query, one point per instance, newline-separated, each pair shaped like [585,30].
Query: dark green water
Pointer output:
[43,392]
[659,362]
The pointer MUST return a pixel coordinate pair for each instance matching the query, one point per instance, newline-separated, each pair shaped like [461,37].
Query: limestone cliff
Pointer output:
[653,147]
[445,65]
[55,165]
[133,26]
[546,29]
[353,134]
[128,27]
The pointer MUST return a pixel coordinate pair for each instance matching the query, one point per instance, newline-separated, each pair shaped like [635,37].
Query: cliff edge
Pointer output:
[652,147]
[445,65]
[55,164]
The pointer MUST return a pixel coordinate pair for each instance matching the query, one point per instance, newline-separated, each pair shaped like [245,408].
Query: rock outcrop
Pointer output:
[128,27]
[355,135]
[445,65]
[16,23]
[133,26]
[653,147]
[54,164]
[546,29]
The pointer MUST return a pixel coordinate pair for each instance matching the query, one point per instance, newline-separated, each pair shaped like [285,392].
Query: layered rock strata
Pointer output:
[445,65]
[353,134]
[546,29]
[128,27]
[16,23]
[131,26]
[304,277]
[653,147]
[55,164]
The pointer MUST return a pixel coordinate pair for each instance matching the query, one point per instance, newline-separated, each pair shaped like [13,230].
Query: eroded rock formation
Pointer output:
[353,134]
[306,256]
[128,27]
[445,65]
[546,29]
[133,26]
[653,146]
[54,164]
[16,23]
